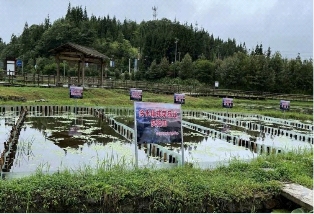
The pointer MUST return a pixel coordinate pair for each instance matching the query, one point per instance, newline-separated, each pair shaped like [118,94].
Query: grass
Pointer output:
[183,189]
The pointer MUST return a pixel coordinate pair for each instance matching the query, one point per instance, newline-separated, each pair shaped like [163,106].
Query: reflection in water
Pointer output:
[211,151]
[69,132]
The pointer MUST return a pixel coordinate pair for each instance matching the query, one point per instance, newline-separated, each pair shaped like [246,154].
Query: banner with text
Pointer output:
[76,92]
[135,94]
[157,122]
[227,102]
[179,98]
[284,105]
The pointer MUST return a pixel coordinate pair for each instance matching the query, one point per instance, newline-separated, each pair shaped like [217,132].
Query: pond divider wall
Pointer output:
[291,123]
[255,126]
[235,140]
[10,146]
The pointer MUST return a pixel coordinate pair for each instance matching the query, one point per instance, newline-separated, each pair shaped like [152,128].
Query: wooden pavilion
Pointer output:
[81,54]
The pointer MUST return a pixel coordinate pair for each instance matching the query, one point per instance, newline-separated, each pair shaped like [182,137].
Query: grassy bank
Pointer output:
[240,187]
[113,97]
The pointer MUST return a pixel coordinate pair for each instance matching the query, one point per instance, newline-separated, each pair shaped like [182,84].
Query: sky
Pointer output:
[283,25]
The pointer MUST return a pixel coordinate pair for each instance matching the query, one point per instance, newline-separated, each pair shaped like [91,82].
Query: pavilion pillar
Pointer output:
[106,75]
[83,71]
[101,73]
[78,72]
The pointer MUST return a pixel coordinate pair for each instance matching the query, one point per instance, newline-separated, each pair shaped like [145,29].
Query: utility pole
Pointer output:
[22,65]
[175,54]
[129,66]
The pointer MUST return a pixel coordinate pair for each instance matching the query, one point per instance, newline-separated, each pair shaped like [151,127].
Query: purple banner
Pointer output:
[284,105]
[179,98]
[76,92]
[135,94]
[157,122]
[227,102]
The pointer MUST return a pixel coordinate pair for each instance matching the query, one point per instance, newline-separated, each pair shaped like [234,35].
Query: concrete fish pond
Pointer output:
[279,138]
[66,141]
[53,138]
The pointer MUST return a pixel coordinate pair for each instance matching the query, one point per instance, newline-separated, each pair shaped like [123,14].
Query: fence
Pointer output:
[192,90]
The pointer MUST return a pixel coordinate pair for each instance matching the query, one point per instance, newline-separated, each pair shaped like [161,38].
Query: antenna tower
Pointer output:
[154,12]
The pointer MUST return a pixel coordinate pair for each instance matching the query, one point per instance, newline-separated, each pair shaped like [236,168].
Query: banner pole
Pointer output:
[182,149]
[135,137]
[75,110]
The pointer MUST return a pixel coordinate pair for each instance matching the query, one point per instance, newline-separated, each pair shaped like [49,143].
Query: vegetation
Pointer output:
[240,187]
[160,50]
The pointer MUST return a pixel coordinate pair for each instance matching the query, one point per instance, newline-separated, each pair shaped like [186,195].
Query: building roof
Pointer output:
[71,51]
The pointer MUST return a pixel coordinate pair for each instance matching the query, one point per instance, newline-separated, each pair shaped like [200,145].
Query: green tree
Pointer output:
[186,68]
[164,67]
[204,71]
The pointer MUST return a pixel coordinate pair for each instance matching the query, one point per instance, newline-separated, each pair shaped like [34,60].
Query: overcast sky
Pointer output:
[283,25]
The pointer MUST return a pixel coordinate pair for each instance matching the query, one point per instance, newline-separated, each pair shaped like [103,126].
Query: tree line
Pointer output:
[160,50]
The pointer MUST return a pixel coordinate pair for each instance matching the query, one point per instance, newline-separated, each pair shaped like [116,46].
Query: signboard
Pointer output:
[216,84]
[111,63]
[157,122]
[19,63]
[284,105]
[76,92]
[227,102]
[135,94]
[179,98]
[10,67]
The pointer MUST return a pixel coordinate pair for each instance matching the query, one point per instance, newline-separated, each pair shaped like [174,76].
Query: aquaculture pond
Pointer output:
[260,137]
[77,142]
[200,149]
[68,141]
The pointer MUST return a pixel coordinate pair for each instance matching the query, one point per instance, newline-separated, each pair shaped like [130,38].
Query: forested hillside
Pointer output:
[160,50]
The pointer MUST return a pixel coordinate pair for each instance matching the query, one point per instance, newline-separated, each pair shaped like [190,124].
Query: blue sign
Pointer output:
[19,63]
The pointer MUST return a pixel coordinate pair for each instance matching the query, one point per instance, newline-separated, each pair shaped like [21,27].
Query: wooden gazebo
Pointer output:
[81,54]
